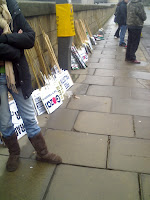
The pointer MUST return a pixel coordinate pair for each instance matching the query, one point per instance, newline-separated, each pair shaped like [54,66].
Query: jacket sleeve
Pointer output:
[24,40]
[141,12]
[9,53]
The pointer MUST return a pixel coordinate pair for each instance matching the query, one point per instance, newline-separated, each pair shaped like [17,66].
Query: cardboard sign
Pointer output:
[77,57]
[65,80]
[83,54]
[38,104]
[65,20]
[51,98]
[17,120]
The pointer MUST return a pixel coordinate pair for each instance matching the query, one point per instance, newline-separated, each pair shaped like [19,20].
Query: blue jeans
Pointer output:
[123,29]
[25,110]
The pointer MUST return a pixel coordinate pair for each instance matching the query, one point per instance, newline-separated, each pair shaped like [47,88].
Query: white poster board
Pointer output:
[51,98]
[38,104]
[65,80]
[17,120]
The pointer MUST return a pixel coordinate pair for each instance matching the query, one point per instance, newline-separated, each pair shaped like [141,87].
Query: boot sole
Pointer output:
[49,161]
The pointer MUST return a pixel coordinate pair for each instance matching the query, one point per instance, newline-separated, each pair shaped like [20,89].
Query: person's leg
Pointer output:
[123,29]
[117,32]
[26,111]
[6,125]
[129,44]
[136,34]
[7,128]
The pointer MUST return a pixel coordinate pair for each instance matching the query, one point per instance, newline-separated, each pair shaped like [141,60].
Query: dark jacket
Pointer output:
[121,17]
[135,14]
[12,48]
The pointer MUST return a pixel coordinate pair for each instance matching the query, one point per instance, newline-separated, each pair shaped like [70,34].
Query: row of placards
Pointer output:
[51,96]
[48,99]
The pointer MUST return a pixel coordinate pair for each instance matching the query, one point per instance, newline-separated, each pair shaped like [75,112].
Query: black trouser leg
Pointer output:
[129,45]
[117,31]
[133,43]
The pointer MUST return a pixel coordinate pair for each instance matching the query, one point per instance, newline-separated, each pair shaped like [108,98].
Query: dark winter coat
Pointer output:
[135,14]
[12,48]
[121,17]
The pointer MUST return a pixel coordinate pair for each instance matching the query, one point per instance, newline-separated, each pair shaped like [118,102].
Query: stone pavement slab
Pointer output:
[109,91]
[93,60]
[62,119]
[65,102]
[142,127]
[109,45]
[143,94]
[101,66]
[127,82]
[29,182]
[107,56]
[145,83]
[80,183]
[107,61]
[90,103]
[145,186]
[81,78]
[131,107]
[129,154]
[83,71]
[78,148]
[25,146]
[105,124]
[99,48]
[133,67]
[140,75]
[109,52]
[95,80]
[96,54]
[78,88]
[42,119]
[113,73]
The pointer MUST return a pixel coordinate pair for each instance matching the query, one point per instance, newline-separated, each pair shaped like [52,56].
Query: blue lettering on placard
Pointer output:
[50,103]
[58,98]
[20,129]
[17,115]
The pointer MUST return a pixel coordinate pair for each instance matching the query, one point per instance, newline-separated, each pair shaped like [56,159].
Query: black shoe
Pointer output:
[123,45]
[127,60]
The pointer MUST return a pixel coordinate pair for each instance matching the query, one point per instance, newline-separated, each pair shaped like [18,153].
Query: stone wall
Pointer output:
[44,13]
[83,1]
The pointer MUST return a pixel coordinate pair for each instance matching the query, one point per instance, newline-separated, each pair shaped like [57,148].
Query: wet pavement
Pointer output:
[103,136]
[146,33]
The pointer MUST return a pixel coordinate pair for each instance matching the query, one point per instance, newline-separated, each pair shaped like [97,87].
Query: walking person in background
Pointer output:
[121,20]
[12,47]
[135,20]
[117,35]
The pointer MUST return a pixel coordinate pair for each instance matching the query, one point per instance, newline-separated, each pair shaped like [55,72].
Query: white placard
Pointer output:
[83,54]
[65,80]
[38,104]
[17,120]
[51,98]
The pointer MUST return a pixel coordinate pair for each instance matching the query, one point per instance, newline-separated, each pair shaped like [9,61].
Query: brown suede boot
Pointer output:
[14,152]
[43,155]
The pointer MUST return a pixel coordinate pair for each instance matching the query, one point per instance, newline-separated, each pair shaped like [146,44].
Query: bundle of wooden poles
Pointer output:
[82,29]
[40,68]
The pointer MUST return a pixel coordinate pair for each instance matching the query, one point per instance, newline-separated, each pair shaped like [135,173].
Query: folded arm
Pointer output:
[9,53]
[26,39]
